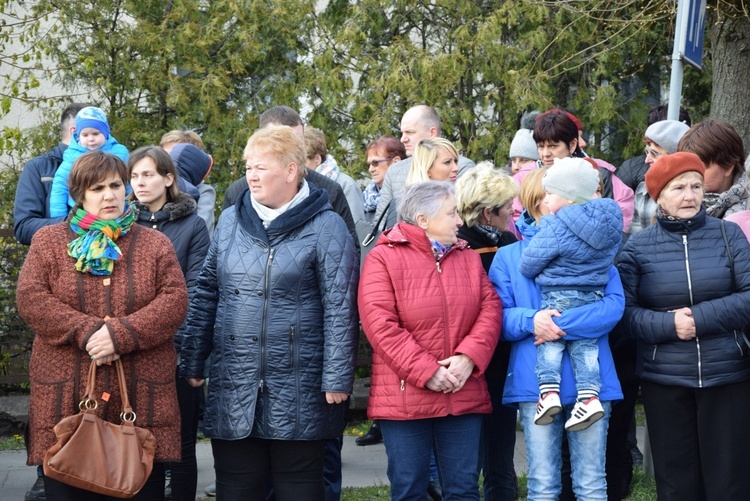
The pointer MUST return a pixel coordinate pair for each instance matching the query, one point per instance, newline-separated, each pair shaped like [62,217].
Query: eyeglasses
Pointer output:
[375,163]
[650,151]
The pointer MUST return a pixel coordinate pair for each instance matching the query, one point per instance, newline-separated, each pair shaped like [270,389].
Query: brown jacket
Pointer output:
[146,300]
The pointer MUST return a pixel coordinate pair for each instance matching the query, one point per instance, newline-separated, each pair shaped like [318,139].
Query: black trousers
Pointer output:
[185,473]
[243,468]
[700,441]
[152,491]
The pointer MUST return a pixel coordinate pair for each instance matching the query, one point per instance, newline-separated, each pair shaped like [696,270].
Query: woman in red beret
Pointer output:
[687,298]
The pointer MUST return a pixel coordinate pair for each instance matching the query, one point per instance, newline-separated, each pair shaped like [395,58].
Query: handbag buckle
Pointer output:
[128,416]
[88,405]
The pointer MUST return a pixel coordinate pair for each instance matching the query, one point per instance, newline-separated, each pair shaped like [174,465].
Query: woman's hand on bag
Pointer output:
[461,366]
[684,323]
[442,381]
[195,382]
[545,329]
[100,346]
[336,397]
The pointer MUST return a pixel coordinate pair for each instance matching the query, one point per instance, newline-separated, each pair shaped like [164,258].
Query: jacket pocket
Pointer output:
[742,343]
[53,401]
[154,402]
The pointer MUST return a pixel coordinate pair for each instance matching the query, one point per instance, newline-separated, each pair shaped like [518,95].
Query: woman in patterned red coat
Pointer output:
[433,319]
[98,287]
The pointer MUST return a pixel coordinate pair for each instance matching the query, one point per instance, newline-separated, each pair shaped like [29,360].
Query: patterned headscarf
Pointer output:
[95,250]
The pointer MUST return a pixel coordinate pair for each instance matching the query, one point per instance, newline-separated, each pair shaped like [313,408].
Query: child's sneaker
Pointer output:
[584,414]
[547,407]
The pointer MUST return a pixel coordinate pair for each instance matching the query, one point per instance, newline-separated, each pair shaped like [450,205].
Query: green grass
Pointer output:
[12,443]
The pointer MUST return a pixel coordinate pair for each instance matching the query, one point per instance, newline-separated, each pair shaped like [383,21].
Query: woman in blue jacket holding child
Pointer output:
[526,325]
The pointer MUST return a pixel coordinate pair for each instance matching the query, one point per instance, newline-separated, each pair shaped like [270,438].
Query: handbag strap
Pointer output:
[371,236]
[729,253]
[90,402]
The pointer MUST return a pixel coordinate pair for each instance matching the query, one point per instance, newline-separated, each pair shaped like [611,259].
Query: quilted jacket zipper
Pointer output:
[690,291]
[265,315]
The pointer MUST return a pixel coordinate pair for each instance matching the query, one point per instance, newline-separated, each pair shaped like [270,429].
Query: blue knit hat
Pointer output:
[94,117]
[193,164]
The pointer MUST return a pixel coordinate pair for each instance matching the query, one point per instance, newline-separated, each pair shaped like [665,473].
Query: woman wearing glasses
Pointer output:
[661,139]
[381,154]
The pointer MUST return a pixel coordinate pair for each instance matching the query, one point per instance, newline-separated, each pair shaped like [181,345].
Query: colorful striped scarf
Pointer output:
[95,250]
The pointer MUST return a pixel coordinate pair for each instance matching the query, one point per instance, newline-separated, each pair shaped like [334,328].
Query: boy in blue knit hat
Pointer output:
[91,133]
[570,258]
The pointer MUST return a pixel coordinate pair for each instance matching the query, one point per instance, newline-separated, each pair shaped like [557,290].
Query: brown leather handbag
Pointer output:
[99,456]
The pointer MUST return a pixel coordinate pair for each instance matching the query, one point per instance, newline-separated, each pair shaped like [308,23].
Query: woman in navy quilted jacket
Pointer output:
[275,309]
[687,293]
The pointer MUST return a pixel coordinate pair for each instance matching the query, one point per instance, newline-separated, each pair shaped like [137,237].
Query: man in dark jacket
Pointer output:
[31,208]
[286,116]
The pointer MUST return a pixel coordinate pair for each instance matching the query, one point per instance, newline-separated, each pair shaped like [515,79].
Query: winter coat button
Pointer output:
[231,338]
[236,291]
[260,293]
[255,338]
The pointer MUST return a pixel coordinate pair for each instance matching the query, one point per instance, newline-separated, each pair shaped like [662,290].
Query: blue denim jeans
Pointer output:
[543,454]
[584,353]
[409,445]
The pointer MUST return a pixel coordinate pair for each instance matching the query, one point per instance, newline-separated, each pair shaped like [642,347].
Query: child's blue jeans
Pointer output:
[584,353]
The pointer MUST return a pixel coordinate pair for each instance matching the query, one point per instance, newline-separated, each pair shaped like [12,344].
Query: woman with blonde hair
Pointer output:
[434,159]
[484,203]
[274,310]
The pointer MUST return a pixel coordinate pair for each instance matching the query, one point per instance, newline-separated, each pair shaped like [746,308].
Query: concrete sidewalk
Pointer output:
[362,467]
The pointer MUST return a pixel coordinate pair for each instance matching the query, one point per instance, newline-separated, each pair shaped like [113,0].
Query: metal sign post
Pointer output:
[688,46]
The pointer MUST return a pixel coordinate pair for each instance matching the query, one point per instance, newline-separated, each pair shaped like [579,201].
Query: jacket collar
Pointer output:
[184,206]
[405,234]
[527,226]
[295,217]
[684,225]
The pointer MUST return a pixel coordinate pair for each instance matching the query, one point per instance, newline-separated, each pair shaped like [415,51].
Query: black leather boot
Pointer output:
[372,437]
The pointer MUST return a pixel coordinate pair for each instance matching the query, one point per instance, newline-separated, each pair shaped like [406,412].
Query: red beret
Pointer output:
[669,167]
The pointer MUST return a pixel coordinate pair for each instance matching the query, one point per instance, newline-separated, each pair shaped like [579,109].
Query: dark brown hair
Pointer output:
[715,141]
[91,168]
[555,125]
[164,166]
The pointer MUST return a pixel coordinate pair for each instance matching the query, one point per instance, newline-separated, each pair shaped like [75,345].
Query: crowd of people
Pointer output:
[551,290]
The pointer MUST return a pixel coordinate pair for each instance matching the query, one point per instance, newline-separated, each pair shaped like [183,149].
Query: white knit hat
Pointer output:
[571,178]
[523,145]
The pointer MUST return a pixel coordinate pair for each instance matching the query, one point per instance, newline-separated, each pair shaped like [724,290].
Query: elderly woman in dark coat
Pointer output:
[275,309]
[687,292]
[91,292]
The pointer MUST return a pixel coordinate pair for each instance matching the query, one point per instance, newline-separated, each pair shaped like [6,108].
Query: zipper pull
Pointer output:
[402,385]
[437,263]
[260,387]
[107,282]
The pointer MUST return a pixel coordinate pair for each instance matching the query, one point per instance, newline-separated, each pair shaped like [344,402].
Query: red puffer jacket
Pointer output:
[415,312]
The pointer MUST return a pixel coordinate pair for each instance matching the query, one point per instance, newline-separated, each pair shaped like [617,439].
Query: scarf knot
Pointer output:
[95,249]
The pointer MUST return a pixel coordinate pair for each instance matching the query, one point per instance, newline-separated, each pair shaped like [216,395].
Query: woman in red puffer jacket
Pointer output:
[433,319]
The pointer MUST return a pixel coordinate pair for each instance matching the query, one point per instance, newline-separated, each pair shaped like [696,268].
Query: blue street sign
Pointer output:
[693,38]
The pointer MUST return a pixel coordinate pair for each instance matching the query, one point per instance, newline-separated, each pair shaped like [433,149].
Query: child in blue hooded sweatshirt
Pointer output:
[91,133]
[570,259]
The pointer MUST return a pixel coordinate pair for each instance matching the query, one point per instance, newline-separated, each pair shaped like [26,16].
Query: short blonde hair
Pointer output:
[483,187]
[425,153]
[532,192]
[315,143]
[281,142]
[182,136]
